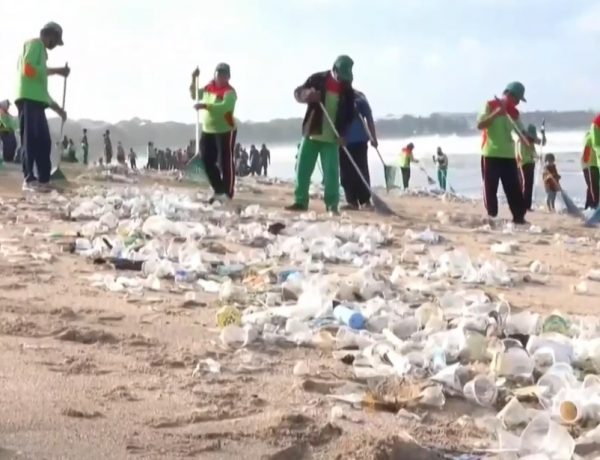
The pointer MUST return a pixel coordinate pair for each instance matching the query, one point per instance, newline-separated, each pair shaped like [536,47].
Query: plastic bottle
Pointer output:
[185,276]
[438,360]
[349,317]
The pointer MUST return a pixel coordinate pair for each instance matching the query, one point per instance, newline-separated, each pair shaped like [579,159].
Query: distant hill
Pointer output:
[136,132]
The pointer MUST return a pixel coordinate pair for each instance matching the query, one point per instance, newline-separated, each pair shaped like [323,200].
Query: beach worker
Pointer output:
[168,159]
[595,161]
[132,159]
[265,160]
[237,151]
[120,153]
[406,158]
[85,147]
[441,160]
[107,147]
[151,154]
[333,89]
[526,159]
[8,126]
[551,181]
[32,101]
[254,160]
[218,99]
[71,152]
[357,142]
[589,166]
[498,161]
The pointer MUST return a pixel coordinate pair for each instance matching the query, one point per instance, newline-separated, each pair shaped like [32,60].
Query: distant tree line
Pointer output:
[289,130]
[137,133]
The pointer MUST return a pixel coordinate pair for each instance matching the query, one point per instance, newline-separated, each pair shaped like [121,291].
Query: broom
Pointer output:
[194,169]
[571,207]
[389,172]
[380,206]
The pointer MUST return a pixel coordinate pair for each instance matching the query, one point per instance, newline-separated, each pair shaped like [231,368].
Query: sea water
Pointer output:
[464,173]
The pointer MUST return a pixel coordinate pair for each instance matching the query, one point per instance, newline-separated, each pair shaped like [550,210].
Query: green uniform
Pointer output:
[33,73]
[8,122]
[589,157]
[595,142]
[526,152]
[326,145]
[406,158]
[220,104]
[497,137]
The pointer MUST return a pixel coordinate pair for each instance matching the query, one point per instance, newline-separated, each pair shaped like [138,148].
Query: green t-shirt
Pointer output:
[526,152]
[332,100]
[406,158]
[220,105]
[8,122]
[589,156]
[497,137]
[33,73]
[595,142]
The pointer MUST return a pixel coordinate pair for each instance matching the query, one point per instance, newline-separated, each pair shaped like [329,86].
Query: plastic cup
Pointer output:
[481,390]
[570,412]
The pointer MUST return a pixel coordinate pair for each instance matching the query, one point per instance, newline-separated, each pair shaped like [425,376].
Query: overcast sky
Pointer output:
[134,57]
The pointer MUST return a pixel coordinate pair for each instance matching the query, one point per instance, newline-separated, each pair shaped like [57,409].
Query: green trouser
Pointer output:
[85,155]
[442,175]
[307,159]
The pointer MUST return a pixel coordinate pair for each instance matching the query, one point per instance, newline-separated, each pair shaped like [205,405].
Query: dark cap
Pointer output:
[343,66]
[517,90]
[223,68]
[55,28]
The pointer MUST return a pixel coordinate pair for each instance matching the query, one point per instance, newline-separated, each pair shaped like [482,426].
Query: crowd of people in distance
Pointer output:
[253,163]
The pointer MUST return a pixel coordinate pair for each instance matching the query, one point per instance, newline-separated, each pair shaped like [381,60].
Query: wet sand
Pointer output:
[87,373]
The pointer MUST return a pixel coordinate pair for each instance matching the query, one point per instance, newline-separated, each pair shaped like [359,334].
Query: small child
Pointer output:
[551,181]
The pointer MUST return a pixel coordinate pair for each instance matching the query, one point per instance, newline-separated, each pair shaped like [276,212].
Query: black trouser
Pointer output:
[405,177]
[107,155]
[592,181]
[264,169]
[9,145]
[527,175]
[215,146]
[494,170]
[35,140]
[356,192]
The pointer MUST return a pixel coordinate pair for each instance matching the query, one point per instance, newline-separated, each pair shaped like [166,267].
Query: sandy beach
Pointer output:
[87,373]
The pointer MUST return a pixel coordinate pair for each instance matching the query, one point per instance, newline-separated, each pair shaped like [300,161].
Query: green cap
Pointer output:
[343,67]
[517,90]
[223,69]
[531,132]
[54,27]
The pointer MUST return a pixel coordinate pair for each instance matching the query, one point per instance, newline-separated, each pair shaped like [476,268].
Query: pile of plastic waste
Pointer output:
[416,312]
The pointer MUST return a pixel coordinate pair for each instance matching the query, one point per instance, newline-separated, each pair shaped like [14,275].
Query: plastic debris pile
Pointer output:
[416,315]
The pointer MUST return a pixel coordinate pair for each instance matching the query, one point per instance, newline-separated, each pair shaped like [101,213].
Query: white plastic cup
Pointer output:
[542,435]
[481,390]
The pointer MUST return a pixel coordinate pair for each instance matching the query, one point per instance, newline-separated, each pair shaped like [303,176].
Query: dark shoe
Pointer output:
[349,207]
[368,206]
[334,211]
[520,221]
[296,207]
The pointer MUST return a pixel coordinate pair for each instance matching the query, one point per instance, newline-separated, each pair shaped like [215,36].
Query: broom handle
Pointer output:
[344,148]
[368,131]
[197,84]
[64,98]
